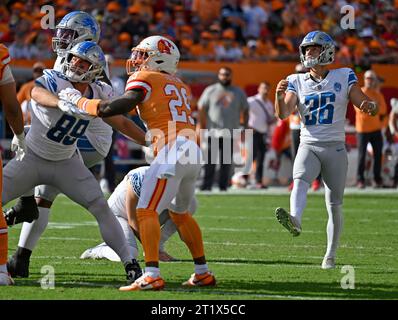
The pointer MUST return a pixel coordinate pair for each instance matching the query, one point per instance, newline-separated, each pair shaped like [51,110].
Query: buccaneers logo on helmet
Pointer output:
[164,46]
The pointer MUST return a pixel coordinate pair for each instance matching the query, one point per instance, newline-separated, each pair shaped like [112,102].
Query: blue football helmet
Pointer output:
[75,27]
[88,51]
[322,39]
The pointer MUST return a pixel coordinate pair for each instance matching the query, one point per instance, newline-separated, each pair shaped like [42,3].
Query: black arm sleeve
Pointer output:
[122,104]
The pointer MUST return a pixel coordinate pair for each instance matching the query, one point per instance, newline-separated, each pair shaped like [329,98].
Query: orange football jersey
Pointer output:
[4,59]
[166,106]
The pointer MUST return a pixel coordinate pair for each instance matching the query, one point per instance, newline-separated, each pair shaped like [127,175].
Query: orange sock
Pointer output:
[3,225]
[190,233]
[148,224]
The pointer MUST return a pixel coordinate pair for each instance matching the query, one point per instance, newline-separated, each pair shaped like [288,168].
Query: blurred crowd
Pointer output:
[220,30]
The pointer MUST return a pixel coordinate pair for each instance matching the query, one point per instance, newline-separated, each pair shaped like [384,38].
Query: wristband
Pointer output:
[89,105]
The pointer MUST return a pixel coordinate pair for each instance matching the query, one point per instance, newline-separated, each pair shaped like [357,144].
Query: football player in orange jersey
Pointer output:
[163,102]
[13,113]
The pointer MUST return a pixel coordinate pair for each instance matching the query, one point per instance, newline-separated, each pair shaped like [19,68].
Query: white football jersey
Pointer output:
[322,105]
[53,134]
[117,201]
[99,133]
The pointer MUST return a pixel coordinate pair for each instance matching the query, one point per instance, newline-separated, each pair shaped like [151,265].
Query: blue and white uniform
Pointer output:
[322,107]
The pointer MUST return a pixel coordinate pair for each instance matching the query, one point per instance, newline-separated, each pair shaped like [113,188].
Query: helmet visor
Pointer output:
[137,59]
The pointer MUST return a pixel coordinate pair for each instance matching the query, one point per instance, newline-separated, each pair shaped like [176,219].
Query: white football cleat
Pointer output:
[5,279]
[328,263]
[288,221]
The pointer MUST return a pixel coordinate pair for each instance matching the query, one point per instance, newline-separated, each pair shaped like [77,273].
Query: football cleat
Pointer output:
[165,257]
[24,211]
[200,280]
[328,263]
[133,271]
[5,279]
[89,254]
[288,221]
[145,282]
[18,264]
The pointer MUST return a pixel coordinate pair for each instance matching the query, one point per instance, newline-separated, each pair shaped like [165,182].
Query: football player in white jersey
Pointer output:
[53,159]
[94,145]
[123,203]
[321,97]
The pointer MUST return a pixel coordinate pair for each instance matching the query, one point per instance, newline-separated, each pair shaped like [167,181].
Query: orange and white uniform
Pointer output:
[5,78]
[170,181]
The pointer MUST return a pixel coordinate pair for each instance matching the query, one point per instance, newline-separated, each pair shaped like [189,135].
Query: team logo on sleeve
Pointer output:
[136,182]
[337,86]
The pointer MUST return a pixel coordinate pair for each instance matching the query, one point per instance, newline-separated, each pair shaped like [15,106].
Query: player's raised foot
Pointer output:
[201,280]
[133,271]
[288,221]
[328,263]
[165,257]
[145,282]
[18,264]
[5,279]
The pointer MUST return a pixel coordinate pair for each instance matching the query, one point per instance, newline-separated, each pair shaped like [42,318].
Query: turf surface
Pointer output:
[252,256]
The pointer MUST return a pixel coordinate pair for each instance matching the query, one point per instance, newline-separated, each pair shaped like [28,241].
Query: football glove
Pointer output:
[18,145]
[72,110]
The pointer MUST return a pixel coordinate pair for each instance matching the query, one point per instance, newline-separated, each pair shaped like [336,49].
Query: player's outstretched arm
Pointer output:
[122,104]
[11,106]
[285,102]
[127,127]
[44,97]
[362,101]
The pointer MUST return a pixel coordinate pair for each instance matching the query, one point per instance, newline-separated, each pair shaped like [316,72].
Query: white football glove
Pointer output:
[72,110]
[70,94]
[18,145]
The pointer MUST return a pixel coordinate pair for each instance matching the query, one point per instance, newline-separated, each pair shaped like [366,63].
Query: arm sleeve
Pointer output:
[203,102]
[292,84]
[139,81]
[352,78]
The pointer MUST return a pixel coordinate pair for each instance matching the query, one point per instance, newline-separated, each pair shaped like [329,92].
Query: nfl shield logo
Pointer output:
[337,87]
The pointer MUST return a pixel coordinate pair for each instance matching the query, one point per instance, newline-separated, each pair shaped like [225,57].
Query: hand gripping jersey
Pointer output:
[166,107]
[53,134]
[322,105]
[98,133]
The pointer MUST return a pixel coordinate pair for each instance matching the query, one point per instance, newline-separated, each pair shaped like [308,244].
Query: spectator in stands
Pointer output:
[369,130]
[23,95]
[205,12]
[232,17]
[255,17]
[261,117]
[228,50]
[136,26]
[123,49]
[19,49]
[221,107]
[205,49]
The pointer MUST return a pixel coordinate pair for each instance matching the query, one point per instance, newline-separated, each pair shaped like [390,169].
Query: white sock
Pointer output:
[152,272]
[201,268]
[3,268]
[333,229]
[298,198]
[31,232]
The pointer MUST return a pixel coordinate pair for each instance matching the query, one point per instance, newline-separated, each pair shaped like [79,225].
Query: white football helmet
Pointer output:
[155,53]
[88,51]
[75,27]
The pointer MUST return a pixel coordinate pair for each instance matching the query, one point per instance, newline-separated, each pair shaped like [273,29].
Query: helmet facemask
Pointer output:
[76,74]
[63,40]
[138,60]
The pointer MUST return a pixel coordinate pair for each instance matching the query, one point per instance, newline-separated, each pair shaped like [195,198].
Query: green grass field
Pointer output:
[252,256]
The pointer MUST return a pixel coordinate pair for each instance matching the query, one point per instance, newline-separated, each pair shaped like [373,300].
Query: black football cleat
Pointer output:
[18,264]
[24,211]
[133,271]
